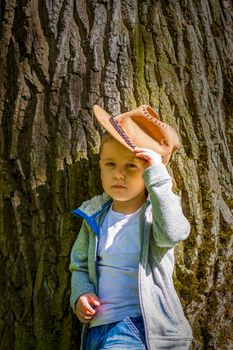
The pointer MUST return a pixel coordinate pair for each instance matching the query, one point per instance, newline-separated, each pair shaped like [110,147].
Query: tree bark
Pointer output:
[58,59]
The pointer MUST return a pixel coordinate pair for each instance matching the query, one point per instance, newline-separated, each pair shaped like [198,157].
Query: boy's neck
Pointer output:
[128,207]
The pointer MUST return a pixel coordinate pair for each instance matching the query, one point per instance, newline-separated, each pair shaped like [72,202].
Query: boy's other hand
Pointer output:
[151,157]
[86,307]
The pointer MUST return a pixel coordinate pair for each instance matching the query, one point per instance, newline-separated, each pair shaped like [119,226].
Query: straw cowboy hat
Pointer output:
[140,127]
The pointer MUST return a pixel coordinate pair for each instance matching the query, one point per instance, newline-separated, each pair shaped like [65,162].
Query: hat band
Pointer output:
[121,132]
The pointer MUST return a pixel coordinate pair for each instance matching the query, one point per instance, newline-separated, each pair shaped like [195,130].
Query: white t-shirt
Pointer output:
[118,259]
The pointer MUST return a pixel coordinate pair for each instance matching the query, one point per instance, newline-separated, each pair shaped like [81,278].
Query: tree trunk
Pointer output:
[57,59]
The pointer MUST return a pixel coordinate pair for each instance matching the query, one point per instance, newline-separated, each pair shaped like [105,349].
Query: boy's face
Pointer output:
[121,174]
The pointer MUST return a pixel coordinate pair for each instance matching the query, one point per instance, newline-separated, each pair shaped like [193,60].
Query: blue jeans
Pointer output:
[123,335]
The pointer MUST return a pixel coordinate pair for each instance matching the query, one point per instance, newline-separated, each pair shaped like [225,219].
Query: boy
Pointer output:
[122,261]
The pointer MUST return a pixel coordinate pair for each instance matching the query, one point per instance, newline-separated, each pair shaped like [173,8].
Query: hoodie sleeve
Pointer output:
[170,224]
[80,283]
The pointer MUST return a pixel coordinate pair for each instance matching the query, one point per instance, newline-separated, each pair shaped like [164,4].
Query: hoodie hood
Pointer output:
[92,208]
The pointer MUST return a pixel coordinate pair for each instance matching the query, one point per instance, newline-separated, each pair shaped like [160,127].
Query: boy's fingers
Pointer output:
[94,300]
[84,320]
[145,157]
[149,155]
[84,314]
[138,149]
[88,307]
[142,155]
[86,317]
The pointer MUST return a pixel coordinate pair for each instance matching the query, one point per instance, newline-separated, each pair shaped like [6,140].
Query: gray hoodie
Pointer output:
[162,226]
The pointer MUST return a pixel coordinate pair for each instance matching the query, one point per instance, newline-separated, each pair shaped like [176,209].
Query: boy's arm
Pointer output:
[80,283]
[170,224]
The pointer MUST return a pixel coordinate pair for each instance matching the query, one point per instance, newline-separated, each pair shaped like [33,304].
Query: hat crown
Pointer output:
[140,127]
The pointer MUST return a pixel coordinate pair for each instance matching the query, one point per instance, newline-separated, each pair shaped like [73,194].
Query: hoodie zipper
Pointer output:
[96,266]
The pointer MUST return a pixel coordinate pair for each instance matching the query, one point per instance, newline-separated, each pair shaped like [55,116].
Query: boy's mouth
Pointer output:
[118,186]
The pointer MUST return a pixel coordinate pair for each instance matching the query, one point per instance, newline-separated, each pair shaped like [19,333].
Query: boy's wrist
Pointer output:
[155,174]
[156,159]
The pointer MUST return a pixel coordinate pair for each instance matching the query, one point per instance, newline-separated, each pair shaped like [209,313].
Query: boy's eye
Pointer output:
[109,164]
[131,165]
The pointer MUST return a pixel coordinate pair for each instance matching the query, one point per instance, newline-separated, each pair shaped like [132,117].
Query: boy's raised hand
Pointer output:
[151,157]
[86,307]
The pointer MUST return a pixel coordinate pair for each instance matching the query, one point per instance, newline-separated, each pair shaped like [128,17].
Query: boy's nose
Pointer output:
[119,174]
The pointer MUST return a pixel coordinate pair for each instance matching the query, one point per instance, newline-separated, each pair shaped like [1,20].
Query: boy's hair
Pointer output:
[105,137]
